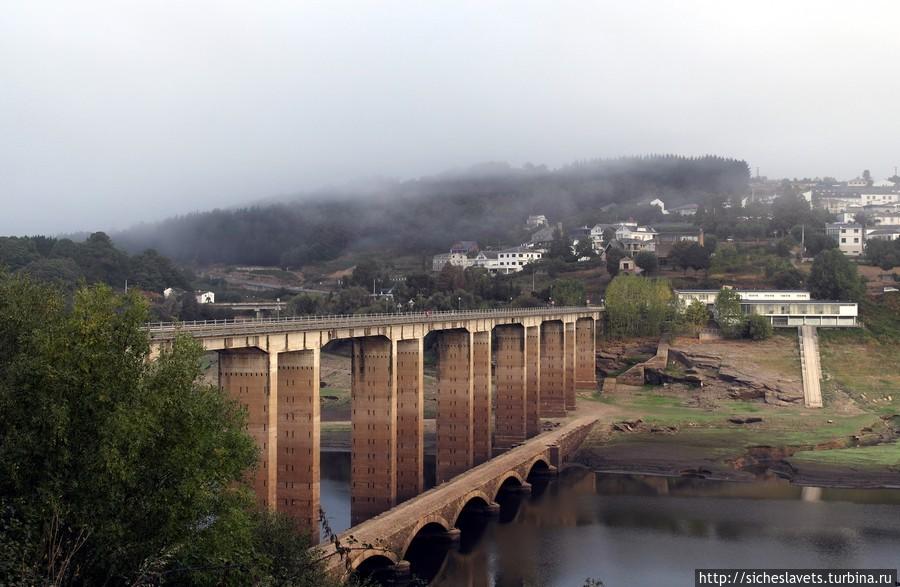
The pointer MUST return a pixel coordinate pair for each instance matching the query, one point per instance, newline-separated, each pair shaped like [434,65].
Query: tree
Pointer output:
[728,312]
[568,292]
[834,277]
[758,327]
[613,256]
[696,313]
[560,247]
[647,261]
[125,470]
[638,306]
[585,248]
[609,235]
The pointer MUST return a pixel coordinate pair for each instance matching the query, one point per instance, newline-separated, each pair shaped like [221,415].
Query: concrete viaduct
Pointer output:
[536,359]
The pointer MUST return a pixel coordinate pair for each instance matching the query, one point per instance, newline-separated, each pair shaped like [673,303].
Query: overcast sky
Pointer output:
[116,112]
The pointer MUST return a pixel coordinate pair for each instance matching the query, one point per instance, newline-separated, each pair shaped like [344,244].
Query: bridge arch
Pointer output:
[538,465]
[510,479]
[373,562]
[428,524]
[475,498]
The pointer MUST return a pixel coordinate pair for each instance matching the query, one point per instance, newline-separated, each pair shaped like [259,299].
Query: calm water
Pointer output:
[636,530]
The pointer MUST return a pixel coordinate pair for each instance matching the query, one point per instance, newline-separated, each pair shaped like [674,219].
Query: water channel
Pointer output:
[629,530]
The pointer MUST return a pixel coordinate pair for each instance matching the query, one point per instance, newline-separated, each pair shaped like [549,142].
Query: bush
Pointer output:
[758,328]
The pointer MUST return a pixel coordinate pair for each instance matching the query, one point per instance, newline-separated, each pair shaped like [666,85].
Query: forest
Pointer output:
[488,203]
[65,263]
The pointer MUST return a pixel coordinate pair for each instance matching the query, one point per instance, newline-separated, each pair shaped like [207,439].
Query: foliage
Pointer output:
[613,256]
[568,292]
[638,306]
[696,313]
[428,214]
[647,261]
[64,262]
[758,327]
[689,255]
[883,253]
[585,248]
[728,312]
[834,277]
[115,469]
[560,247]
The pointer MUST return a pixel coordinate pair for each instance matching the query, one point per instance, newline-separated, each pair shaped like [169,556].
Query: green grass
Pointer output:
[867,370]
[879,456]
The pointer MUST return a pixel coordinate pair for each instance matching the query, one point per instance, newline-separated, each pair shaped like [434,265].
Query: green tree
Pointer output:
[560,246]
[568,292]
[696,313]
[123,469]
[758,327]
[728,312]
[613,256]
[585,248]
[647,261]
[834,277]
[638,306]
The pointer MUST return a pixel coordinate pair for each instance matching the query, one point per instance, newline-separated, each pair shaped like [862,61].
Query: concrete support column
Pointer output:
[298,439]
[511,377]
[481,397]
[410,419]
[585,355]
[553,369]
[454,404]
[244,375]
[570,365]
[533,380]
[373,418]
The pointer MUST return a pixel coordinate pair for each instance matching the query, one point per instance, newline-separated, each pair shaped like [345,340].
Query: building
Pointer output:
[850,238]
[686,210]
[708,296]
[455,259]
[544,236]
[205,297]
[536,221]
[627,265]
[631,230]
[515,259]
[633,246]
[883,232]
[464,247]
[783,308]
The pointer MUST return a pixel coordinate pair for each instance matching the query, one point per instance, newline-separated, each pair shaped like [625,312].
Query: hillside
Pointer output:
[487,203]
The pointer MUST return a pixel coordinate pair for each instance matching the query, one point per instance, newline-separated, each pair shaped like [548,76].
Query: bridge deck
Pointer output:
[168,330]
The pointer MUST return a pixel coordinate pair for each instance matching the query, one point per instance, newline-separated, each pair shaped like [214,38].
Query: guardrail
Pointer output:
[165,329]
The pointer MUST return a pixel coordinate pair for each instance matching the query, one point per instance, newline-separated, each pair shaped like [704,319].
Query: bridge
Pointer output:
[498,373]
[383,541]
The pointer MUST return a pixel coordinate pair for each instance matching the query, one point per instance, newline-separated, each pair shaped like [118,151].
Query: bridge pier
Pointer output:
[373,418]
[533,380]
[569,349]
[244,376]
[511,386]
[586,354]
[410,419]
[454,404]
[553,370]
[481,397]
[298,436]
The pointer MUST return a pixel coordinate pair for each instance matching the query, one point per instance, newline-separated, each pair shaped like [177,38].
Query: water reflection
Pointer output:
[644,530]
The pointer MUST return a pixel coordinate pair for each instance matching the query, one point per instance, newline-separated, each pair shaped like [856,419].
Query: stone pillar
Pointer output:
[553,368]
[481,397]
[454,404]
[586,355]
[373,418]
[410,419]
[511,377]
[570,365]
[533,380]
[244,375]
[298,439]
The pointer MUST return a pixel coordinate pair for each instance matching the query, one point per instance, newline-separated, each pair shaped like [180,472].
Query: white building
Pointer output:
[885,232]
[686,210]
[515,259]
[536,221]
[659,204]
[205,297]
[850,238]
[630,230]
[168,292]
[708,296]
[456,259]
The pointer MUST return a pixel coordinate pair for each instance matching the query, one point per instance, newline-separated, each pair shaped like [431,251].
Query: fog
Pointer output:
[116,112]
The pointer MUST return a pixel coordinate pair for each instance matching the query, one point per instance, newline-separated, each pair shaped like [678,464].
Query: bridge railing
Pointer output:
[343,320]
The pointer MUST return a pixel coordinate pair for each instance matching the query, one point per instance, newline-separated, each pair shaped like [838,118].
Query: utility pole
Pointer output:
[802,240]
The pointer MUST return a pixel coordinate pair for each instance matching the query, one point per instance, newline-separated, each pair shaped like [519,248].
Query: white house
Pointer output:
[708,296]
[850,238]
[536,221]
[686,210]
[883,232]
[515,259]
[630,230]
[168,292]
[205,297]
[456,259]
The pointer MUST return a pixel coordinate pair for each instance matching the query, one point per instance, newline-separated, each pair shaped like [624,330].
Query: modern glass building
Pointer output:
[804,313]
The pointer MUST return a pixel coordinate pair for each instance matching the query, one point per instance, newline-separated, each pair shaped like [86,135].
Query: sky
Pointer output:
[117,112]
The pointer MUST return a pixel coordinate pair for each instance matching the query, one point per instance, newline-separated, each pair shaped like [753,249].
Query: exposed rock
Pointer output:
[750,420]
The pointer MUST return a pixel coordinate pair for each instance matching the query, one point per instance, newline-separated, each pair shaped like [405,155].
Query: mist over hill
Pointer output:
[488,203]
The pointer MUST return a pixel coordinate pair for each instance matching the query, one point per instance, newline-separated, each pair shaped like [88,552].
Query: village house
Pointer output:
[850,238]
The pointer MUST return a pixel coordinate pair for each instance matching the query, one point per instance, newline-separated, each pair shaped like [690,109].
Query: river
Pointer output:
[632,530]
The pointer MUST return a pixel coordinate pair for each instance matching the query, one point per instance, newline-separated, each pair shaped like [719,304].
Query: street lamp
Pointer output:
[459,303]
